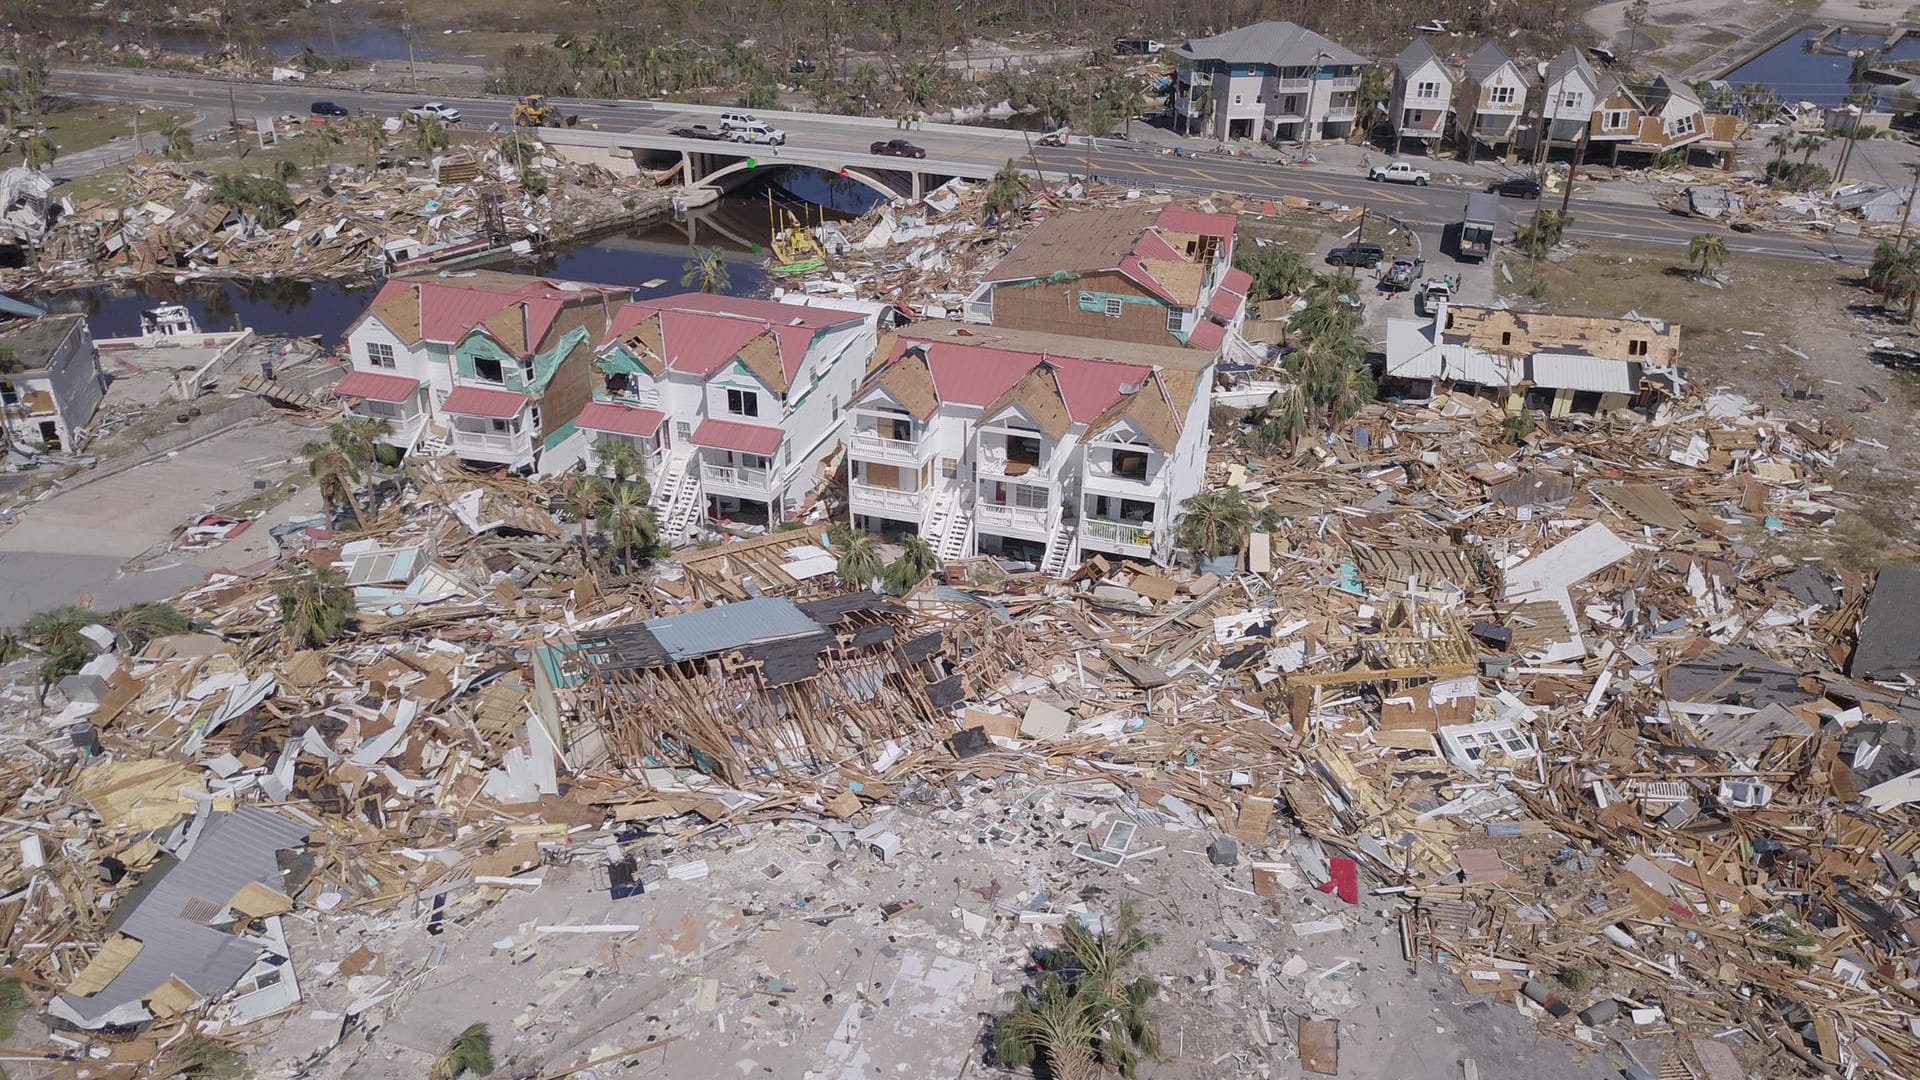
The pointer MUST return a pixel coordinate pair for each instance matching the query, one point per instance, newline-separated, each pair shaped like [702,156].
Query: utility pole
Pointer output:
[1906,202]
[1540,134]
[1846,152]
[233,128]
[1361,233]
[1089,133]
[1579,153]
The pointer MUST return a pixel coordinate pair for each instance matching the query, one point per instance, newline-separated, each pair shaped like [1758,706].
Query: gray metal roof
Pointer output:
[1890,630]
[1567,63]
[1282,44]
[231,850]
[1486,60]
[730,626]
[1579,371]
[1414,56]
[19,308]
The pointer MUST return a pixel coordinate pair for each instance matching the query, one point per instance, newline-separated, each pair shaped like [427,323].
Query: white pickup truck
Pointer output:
[1400,173]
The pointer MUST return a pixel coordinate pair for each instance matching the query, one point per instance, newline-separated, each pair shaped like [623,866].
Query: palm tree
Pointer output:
[1781,142]
[623,461]
[629,523]
[1373,93]
[1707,251]
[1215,523]
[1125,99]
[471,1051]
[369,130]
[1334,289]
[1321,322]
[429,137]
[859,556]
[1542,232]
[38,151]
[314,608]
[327,139]
[915,563]
[708,267]
[1052,1024]
[137,624]
[360,436]
[1101,965]
[1006,193]
[336,470]
[63,648]
[585,493]
[1807,144]
[176,139]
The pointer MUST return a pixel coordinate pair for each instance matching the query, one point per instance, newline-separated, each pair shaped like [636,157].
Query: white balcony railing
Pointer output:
[1034,518]
[489,446]
[873,495]
[979,311]
[1342,112]
[1292,86]
[1125,533]
[871,446]
[402,431]
[736,476]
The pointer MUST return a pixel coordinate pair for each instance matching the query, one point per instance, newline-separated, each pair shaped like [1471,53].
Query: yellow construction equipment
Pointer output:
[534,111]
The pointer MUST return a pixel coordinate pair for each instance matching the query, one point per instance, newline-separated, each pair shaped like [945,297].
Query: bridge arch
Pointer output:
[850,173]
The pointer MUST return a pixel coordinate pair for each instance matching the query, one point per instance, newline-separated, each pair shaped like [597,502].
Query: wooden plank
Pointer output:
[1320,1046]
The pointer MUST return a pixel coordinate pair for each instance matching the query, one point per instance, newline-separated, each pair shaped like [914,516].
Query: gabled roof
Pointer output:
[619,419]
[1181,219]
[1282,44]
[375,386]
[909,381]
[515,309]
[1159,251]
[1569,62]
[1038,395]
[699,333]
[637,330]
[1665,89]
[1416,56]
[1486,60]
[1151,410]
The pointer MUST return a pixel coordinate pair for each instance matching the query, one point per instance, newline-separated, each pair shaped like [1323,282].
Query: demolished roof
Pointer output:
[1890,630]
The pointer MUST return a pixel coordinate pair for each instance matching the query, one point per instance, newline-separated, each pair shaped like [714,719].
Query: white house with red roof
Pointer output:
[737,404]
[489,366]
[1023,443]
[1149,275]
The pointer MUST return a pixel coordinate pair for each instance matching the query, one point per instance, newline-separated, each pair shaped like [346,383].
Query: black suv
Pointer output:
[1362,255]
[328,108]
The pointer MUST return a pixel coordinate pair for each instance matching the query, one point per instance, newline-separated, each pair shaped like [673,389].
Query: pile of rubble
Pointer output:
[1586,748]
[170,218]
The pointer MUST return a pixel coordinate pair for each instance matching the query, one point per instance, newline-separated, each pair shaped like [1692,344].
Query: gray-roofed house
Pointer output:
[1583,103]
[1422,89]
[1270,80]
[179,936]
[59,386]
[1492,100]
[1890,630]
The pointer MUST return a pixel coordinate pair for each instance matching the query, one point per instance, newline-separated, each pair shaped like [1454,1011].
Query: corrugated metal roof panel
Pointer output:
[729,626]
[1577,371]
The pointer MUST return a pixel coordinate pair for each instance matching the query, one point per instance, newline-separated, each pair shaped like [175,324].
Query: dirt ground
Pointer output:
[1792,336]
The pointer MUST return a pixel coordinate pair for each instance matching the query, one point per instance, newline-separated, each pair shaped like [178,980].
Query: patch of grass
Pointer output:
[86,125]
[14,1001]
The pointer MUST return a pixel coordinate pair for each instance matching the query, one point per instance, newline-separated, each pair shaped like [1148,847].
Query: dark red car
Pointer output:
[896,148]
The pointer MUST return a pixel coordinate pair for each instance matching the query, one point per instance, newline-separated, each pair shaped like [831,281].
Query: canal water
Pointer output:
[1797,73]
[738,225]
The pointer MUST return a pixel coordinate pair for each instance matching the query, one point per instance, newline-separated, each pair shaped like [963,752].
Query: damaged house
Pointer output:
[1555,364]
[769,686]
[52,397]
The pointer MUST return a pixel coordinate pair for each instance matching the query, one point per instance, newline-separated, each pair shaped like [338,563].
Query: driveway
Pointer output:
[74,547]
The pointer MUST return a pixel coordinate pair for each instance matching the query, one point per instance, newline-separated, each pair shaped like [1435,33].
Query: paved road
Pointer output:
[1593,218]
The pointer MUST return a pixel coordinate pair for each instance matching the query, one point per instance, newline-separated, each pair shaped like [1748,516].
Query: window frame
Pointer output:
[743,403]
[381,355]
[1113,306]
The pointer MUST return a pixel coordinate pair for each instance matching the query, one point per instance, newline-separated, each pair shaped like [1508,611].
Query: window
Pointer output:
[1570,100]
[487,369]
[1176,320]
[1416,116]
[1427,90]
[1506,337]
[385,410]
[1614,119]
[1114,306]
[1681,125]
[1130,465]
[8,395]
[950,468]
[1030,497]
[682,430]
[501,426]
[836,406]
[743,403]
[1499,95]
[1637,347]
[380,354]
[526,369]
[1236,99]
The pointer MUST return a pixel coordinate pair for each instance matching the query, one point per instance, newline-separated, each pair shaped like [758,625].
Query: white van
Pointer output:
[731,120]
[757,132]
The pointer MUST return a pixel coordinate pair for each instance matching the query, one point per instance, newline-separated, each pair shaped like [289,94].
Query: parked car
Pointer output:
[1358,254]
[327,110]
[758,132]
[1401,275]
[434,110]
[696,131]
[1520,187]
[732,120]
[1399,173]
[1054,138]
[896,148]
[1430,295]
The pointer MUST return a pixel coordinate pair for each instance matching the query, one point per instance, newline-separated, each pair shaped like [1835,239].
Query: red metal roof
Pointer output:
[1226,303]
[1207,335]
[479,401]
[620,419]
[766,311]
[746,438]
[374,386]
[1237,280]
[702,344]
[979,374]
[1181,219]
[1089,386]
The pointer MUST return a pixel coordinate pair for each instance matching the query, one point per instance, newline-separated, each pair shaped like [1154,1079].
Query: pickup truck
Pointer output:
[1400,173]
[696,131]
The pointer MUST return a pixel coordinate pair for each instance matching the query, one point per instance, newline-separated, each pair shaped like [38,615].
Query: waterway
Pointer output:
[1797,73]
[738,225]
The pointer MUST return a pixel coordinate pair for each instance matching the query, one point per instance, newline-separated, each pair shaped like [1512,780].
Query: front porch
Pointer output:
[395,399]
[607,424]
[495,426]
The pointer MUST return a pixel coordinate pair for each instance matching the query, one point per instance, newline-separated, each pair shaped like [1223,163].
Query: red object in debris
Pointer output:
[1345,881]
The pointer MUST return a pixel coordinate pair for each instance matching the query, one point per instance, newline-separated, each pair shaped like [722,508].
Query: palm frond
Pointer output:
[471,1051]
